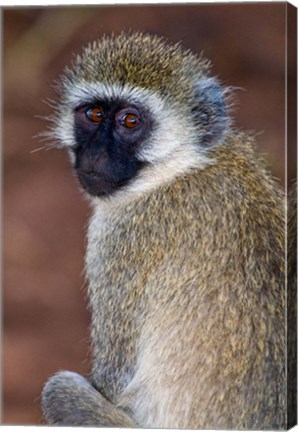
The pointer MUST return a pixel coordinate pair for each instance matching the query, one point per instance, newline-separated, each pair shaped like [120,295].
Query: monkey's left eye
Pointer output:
[95,114]
[130,120]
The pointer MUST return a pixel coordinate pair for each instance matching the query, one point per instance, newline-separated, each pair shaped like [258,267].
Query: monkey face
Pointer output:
[107,136]
[140,117]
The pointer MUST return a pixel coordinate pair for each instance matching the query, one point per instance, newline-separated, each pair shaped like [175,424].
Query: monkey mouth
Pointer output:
[98,184]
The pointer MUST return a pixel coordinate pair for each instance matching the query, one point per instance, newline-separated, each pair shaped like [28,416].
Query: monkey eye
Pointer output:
[128,118]
[95,114]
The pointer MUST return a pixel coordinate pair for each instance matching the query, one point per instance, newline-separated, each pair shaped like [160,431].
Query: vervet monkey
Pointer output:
[185,255]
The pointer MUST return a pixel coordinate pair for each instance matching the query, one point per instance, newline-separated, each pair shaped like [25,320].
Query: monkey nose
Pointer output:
[96,153]
[93,161]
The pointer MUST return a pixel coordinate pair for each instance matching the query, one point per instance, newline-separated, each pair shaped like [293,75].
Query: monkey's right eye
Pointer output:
[95,114]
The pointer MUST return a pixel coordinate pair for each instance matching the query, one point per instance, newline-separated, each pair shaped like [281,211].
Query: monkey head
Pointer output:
[135,112]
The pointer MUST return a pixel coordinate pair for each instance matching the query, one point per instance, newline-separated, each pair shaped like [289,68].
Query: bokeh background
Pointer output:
[45,323]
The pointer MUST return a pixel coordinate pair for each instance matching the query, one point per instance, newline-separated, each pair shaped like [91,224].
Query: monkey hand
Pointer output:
[69,399]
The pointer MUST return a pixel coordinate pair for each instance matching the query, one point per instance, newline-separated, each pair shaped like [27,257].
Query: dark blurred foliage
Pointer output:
[45,312]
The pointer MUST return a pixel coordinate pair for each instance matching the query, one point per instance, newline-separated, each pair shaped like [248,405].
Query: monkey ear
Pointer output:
[210,111]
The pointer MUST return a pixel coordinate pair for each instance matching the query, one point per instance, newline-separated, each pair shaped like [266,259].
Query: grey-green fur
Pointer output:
[186,281]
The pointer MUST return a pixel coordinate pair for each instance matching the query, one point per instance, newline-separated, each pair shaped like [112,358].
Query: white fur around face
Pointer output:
[171,149]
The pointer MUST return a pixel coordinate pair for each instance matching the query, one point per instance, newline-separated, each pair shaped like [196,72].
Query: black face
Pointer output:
[108,135]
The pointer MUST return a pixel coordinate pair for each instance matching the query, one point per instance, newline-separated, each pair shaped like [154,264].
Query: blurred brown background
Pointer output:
[45,317]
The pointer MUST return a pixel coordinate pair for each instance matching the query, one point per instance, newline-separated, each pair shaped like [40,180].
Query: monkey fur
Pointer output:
[291,305]
[185,255]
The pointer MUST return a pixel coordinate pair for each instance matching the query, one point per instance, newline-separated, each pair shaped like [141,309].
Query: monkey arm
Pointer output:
[69,399]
